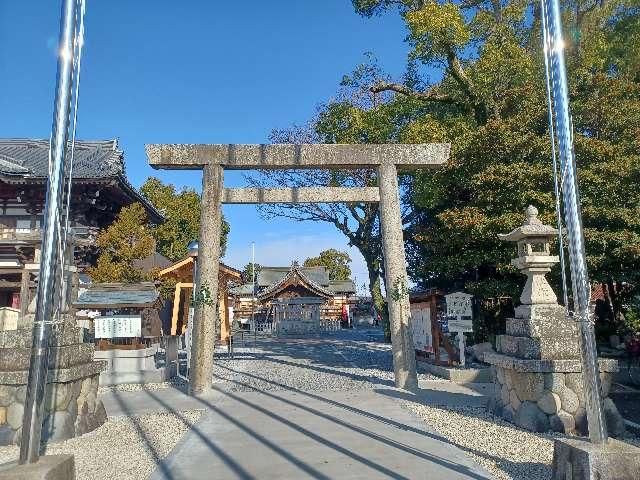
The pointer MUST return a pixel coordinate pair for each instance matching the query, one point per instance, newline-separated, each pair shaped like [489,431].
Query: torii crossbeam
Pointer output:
[386,159]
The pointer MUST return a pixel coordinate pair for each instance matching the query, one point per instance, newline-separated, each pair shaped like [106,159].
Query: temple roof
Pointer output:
[269,277]
[183,271]
[27,160]
[295,276]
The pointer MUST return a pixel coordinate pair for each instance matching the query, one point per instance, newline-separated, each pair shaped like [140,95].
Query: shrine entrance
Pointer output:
[386,159]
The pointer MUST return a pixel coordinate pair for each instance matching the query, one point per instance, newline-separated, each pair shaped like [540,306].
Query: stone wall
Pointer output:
[71,404]
[542,401]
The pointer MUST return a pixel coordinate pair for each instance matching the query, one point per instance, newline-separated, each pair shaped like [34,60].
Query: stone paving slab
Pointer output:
[365,434]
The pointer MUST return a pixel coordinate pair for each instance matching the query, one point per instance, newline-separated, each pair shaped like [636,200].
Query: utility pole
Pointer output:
[38,368]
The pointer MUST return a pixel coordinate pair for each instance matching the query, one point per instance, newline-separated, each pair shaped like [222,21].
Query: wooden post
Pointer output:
[25,296]
[225,328]
[176,308]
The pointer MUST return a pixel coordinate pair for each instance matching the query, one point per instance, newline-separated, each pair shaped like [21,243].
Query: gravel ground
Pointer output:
[505,450]
[175,382]
[124,448]
[341,362]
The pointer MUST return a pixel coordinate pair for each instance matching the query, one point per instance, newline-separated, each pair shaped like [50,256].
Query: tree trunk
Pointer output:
[379,302]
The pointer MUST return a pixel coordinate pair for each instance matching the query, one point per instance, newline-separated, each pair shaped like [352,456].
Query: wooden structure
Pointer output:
[127,331]
[182,273]
[128,318]
[426,309]
[99,190]
[281,283]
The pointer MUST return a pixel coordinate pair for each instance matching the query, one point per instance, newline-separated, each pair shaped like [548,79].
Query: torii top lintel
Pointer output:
[293,156]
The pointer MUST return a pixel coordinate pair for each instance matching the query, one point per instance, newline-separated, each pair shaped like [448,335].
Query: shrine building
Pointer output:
[100,189]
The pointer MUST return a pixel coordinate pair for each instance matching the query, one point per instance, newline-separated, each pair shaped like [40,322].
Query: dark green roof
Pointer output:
[342,286]
[118,295]
[268,276]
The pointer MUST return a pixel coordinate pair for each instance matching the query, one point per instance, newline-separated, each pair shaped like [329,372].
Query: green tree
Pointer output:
[120,244]
[335,261]
[247,272]
[182,212]
[490,102]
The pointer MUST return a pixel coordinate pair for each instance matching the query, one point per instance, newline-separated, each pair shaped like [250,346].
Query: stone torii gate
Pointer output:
[386,159]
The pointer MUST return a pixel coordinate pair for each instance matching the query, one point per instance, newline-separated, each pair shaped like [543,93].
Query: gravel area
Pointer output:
[506,451]
[124,448]
[175,382]
[341,362]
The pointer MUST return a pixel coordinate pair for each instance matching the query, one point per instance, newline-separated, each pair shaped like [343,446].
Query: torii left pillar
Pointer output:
[205,316]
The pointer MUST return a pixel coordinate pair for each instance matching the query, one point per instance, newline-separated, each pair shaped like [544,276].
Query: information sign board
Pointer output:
[118,326]
[459,305]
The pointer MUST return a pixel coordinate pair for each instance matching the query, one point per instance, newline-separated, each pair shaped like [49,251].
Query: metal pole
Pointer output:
[253,293]
[33,411]
[556,186]
[192,308]
[573,221]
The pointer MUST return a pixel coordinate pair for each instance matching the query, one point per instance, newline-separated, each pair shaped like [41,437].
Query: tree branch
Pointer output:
[430,95]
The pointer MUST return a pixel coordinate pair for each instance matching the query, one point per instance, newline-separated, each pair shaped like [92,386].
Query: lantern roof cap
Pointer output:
[531,227]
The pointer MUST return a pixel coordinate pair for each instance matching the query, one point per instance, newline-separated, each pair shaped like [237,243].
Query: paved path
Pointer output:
[308,408]
[324,435]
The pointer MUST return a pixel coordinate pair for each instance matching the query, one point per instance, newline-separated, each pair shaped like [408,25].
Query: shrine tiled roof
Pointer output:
[268,276]
[112,295]
[28,160]
[92,159]
[295,271]
[342,286]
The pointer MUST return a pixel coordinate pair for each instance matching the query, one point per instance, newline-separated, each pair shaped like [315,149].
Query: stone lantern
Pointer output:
[534,258]
[537,370]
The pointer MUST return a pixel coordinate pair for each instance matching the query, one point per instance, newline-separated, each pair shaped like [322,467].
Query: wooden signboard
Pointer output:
[460,313]
[118,326]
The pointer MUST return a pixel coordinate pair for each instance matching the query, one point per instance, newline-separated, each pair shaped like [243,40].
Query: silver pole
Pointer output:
[79,42]
[33,411]
[573,221]
[556,186]
[253,293]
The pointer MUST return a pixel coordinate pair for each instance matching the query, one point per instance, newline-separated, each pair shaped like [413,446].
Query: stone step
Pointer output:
[14,359]
[537,349]
[62,336]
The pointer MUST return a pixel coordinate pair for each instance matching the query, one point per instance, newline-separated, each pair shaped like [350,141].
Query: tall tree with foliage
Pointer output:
[248,271]
[182,213]
[335,261]
[120,244]
[489,101]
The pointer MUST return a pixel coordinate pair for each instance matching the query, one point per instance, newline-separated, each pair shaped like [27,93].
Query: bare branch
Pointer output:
[430,95]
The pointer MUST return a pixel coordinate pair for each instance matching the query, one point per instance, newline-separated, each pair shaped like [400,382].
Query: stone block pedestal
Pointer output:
[49,467]
[543,395]
[578,459]
[71,404]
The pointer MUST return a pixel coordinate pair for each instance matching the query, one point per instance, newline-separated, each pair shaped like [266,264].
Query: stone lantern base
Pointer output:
[537,374]
[71,404]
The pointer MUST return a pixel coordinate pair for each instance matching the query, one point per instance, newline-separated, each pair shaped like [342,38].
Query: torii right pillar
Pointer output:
[396,283]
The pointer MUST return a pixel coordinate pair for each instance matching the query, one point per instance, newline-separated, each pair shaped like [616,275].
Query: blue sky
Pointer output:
[196,72]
